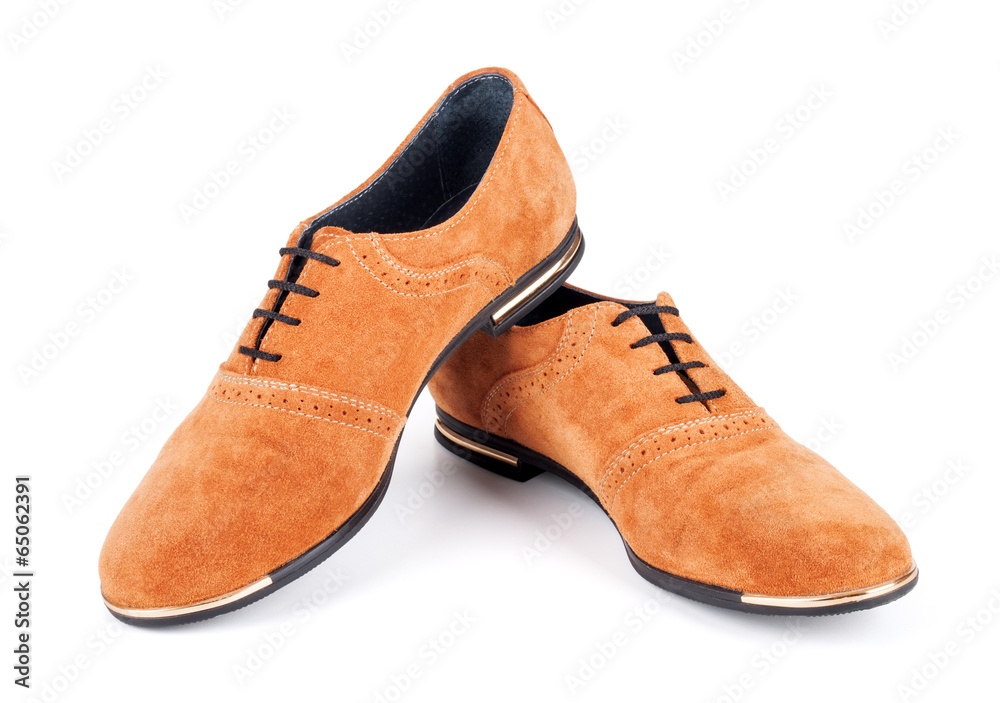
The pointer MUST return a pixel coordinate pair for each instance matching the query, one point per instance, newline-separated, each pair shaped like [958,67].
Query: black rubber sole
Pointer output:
[530,464]
[308,560]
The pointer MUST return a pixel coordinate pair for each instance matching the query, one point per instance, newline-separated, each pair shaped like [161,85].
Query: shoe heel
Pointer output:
[506,465]
[554,271]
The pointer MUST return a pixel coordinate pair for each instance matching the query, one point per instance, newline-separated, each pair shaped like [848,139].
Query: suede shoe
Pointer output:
[466,227]
[712,499]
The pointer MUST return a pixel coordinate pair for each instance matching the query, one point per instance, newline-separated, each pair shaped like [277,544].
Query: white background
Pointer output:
[650,188]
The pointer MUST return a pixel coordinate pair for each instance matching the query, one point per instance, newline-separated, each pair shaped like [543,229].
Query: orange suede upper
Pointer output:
[279,454]
[713,491]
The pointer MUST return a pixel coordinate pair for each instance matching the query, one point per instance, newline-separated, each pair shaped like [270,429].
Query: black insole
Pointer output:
[434,175]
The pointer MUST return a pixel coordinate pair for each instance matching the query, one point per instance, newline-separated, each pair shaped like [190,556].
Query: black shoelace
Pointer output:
[679,367]
[286,287]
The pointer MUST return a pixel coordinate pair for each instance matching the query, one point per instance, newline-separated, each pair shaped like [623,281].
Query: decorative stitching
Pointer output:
[416,295]
[686,446]
[294,412]
[586,346]
[318,392]
[653,434]
[529,328]
[547,362]
[377,244]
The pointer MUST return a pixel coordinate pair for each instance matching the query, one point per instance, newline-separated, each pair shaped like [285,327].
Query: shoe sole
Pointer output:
[503,312]
[514,461]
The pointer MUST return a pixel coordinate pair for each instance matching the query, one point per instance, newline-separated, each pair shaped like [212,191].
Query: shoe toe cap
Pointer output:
[763,516]
[236,493]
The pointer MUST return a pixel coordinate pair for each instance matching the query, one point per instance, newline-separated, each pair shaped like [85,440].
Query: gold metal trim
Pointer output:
[831,599]
[170,612]
[549,274]
[475,446]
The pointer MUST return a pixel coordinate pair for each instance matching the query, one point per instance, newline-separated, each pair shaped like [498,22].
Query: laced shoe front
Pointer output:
[712,499]
[467,226]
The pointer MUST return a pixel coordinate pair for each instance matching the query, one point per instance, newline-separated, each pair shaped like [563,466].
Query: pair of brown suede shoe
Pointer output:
[469,227]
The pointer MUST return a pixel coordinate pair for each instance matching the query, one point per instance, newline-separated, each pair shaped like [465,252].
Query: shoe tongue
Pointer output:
[665,299]
[665,322]
[659,323]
